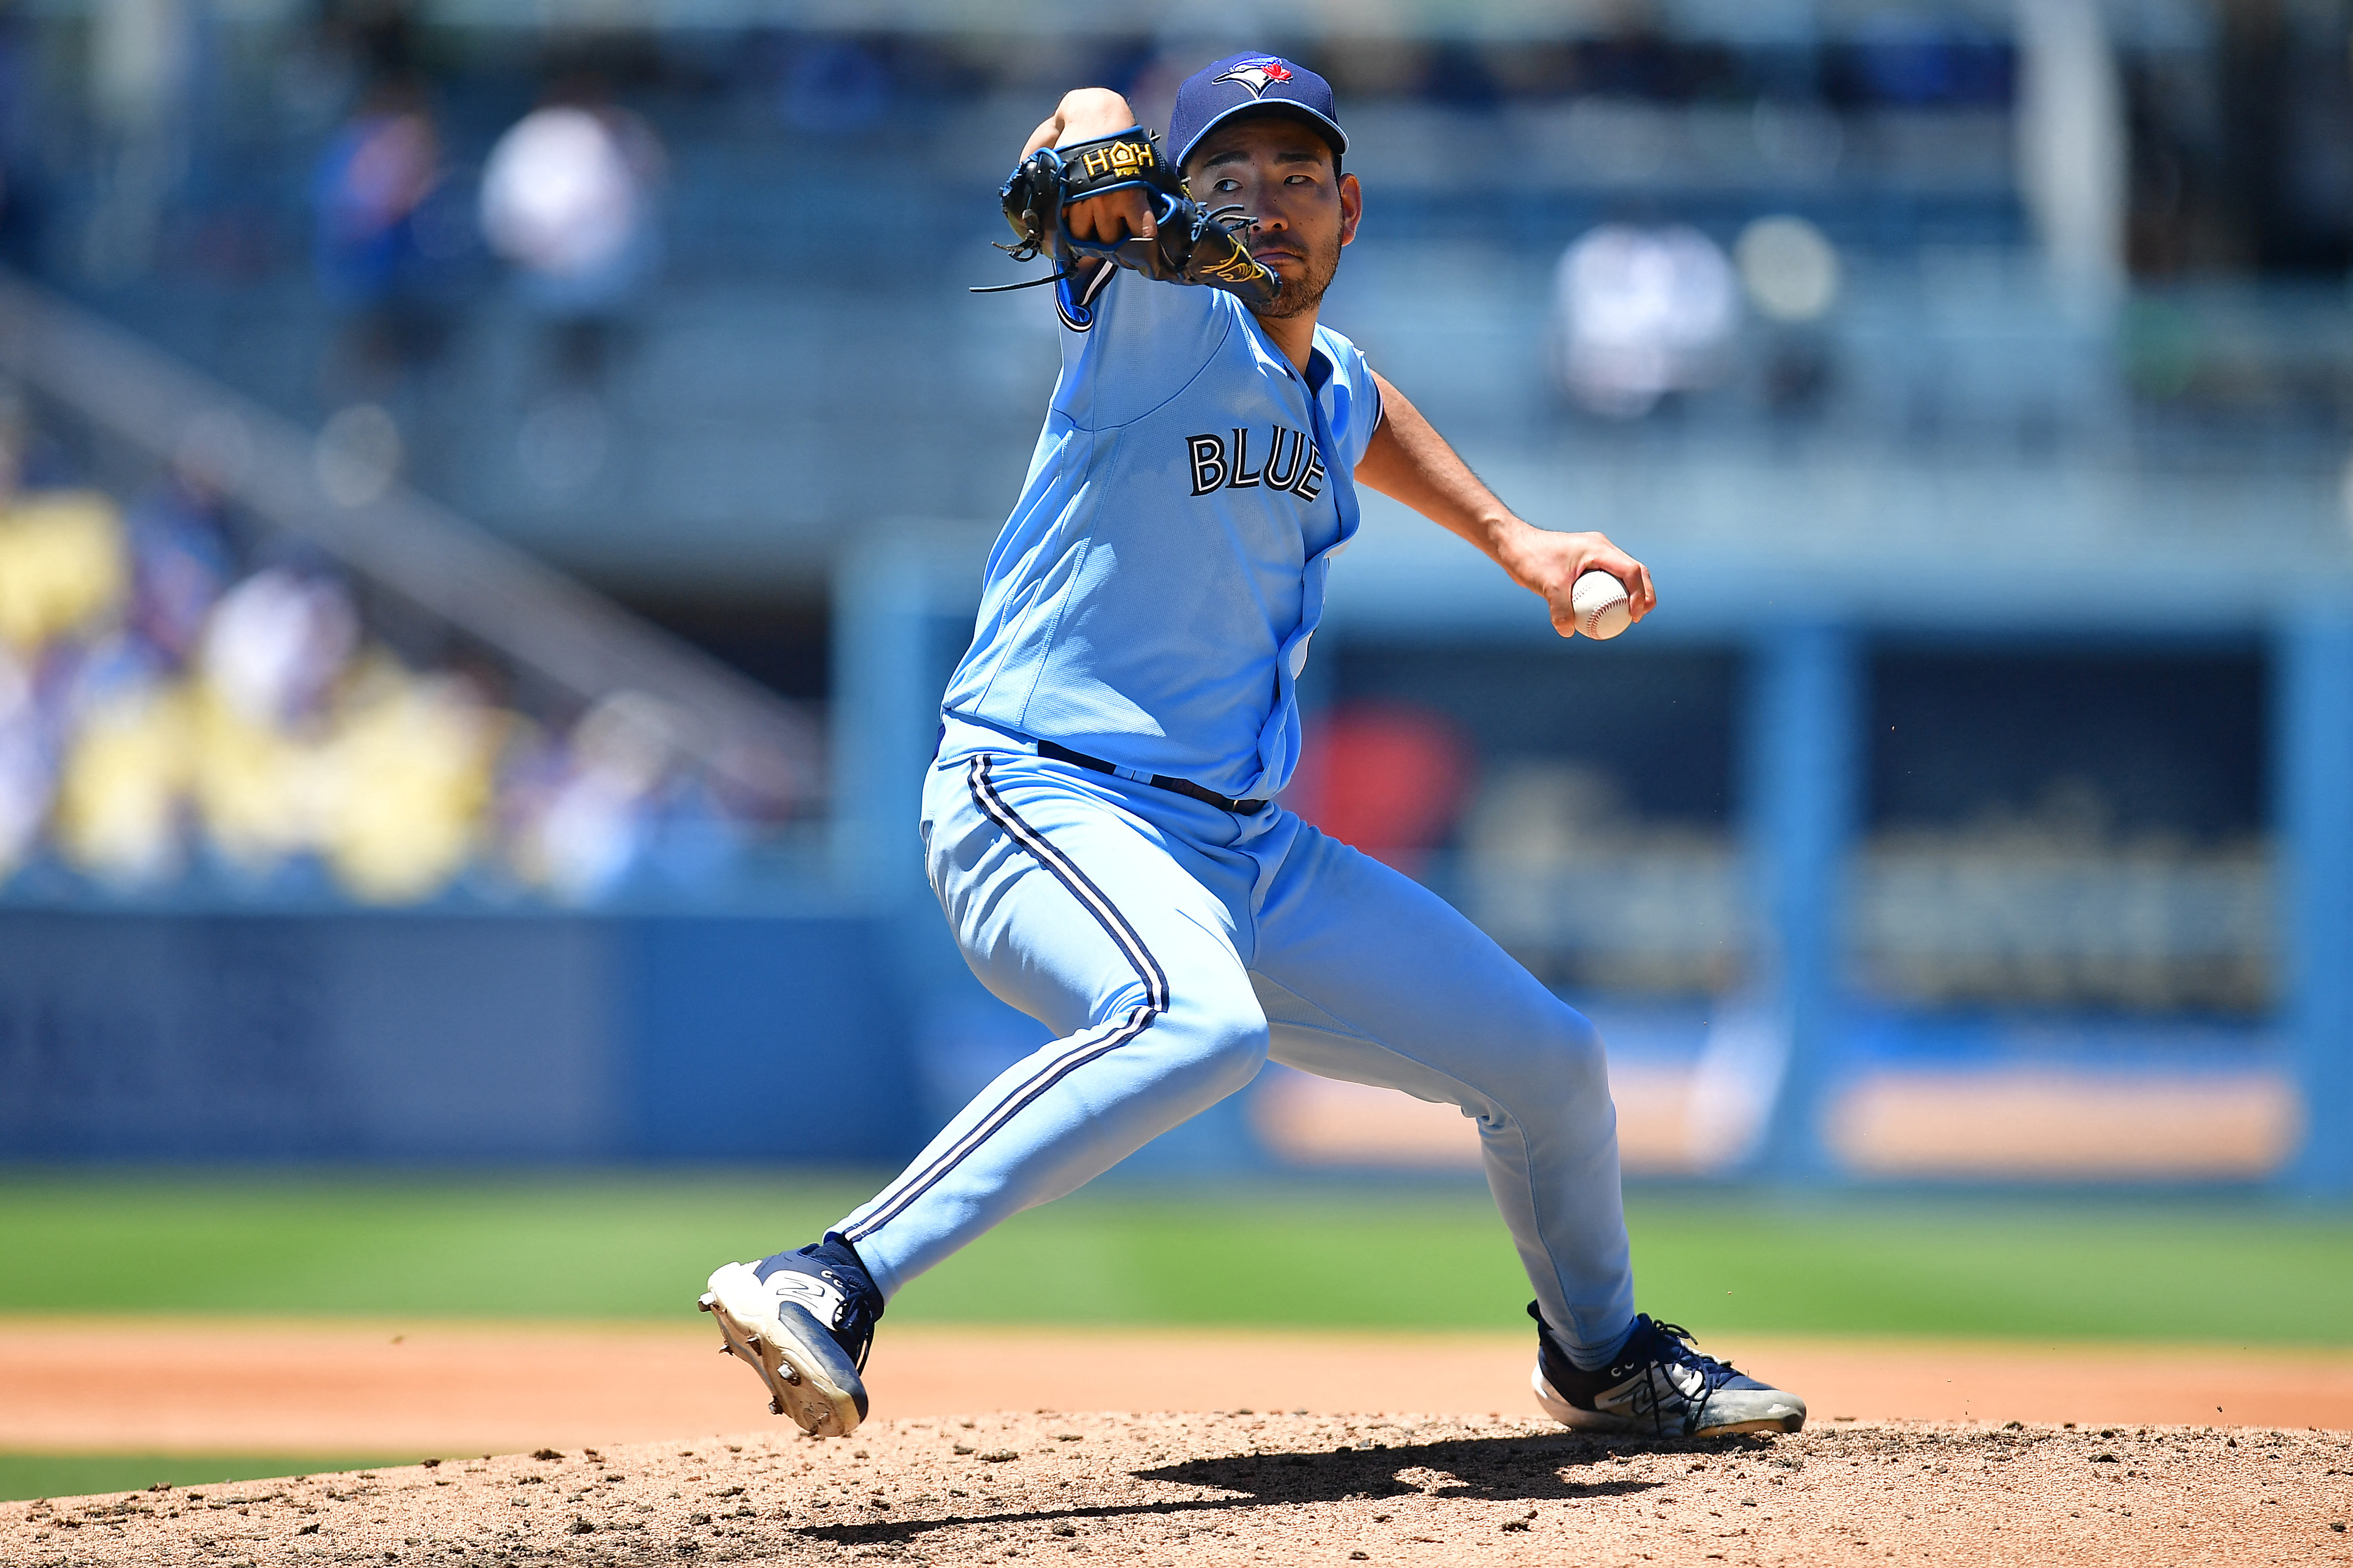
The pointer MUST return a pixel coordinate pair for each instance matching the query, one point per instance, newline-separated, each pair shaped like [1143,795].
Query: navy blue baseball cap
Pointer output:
[1248,84]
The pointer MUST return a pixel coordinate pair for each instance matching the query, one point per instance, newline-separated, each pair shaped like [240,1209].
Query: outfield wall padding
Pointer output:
[450,1037]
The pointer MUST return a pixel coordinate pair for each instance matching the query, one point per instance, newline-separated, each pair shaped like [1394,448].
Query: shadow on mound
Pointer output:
[1501,1469]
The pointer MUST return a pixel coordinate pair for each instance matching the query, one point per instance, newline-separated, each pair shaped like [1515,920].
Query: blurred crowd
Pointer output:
[1732,202]
[566,201]
[566,206]
[175,707]
[123,135]
[1642,312]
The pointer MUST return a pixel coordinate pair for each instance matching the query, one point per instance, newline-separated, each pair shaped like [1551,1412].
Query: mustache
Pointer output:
[1246,225]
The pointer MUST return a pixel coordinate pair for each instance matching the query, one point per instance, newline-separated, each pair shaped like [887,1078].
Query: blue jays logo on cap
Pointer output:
[1252,83]
[1259,75]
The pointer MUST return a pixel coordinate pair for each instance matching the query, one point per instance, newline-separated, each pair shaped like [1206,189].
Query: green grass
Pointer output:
[1304,1255]
[76,1475]
[1299,1256]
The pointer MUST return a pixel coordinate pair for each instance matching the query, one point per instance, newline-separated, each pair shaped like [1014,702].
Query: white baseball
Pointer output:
[1599,602]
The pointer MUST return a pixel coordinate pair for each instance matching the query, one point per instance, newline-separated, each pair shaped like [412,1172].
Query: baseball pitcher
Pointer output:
[1100,822]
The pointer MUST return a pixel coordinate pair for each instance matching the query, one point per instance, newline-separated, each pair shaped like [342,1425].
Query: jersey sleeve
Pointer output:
[1130,344]
[1352,400]
[1366,417]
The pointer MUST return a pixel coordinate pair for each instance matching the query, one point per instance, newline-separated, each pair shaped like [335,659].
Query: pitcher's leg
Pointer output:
[1366,975]
[1077,913]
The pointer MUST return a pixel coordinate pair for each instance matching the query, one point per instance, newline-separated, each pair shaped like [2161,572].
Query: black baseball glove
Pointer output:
[1194,244]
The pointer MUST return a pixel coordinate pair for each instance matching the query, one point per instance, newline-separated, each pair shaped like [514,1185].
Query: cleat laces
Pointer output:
[1682,1345]
[855,1332]
[1674,1348]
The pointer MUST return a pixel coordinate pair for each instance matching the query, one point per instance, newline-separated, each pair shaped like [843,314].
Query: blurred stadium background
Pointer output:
[490,492]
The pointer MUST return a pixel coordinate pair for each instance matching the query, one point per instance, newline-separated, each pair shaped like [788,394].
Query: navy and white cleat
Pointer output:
[1658,1387]
[803,1321]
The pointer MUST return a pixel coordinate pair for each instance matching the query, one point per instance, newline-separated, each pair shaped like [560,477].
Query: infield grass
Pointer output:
[76,1475]
[1376,1256]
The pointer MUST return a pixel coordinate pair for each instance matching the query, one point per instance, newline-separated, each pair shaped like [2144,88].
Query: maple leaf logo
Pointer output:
[1259,75]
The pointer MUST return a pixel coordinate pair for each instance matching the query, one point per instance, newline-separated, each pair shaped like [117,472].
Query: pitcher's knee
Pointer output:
[1223,1041]
[1570,1052]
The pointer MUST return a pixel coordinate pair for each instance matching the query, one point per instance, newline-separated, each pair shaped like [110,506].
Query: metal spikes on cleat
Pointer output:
[809,1376]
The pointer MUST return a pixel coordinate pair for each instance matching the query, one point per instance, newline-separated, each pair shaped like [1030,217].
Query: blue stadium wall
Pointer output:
[396,1038]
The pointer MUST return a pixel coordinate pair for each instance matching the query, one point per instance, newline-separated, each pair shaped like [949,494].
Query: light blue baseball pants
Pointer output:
[1173,947]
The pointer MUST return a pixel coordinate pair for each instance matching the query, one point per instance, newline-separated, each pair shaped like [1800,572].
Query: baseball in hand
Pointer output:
[1600,602]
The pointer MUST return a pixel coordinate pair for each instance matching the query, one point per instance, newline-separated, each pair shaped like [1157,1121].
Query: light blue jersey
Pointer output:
[1151,598]
[1099,825]
[1149,604]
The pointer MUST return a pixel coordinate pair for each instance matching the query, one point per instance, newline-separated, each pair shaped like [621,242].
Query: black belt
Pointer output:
[1159,781]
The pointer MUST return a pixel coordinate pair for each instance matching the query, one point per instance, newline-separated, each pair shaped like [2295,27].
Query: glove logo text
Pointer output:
[1117,159]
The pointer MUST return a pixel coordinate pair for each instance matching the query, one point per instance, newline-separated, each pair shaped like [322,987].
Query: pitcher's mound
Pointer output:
[1272,1489]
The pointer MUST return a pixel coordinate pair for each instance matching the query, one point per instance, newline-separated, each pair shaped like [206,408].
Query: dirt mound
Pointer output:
[1271,1490]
